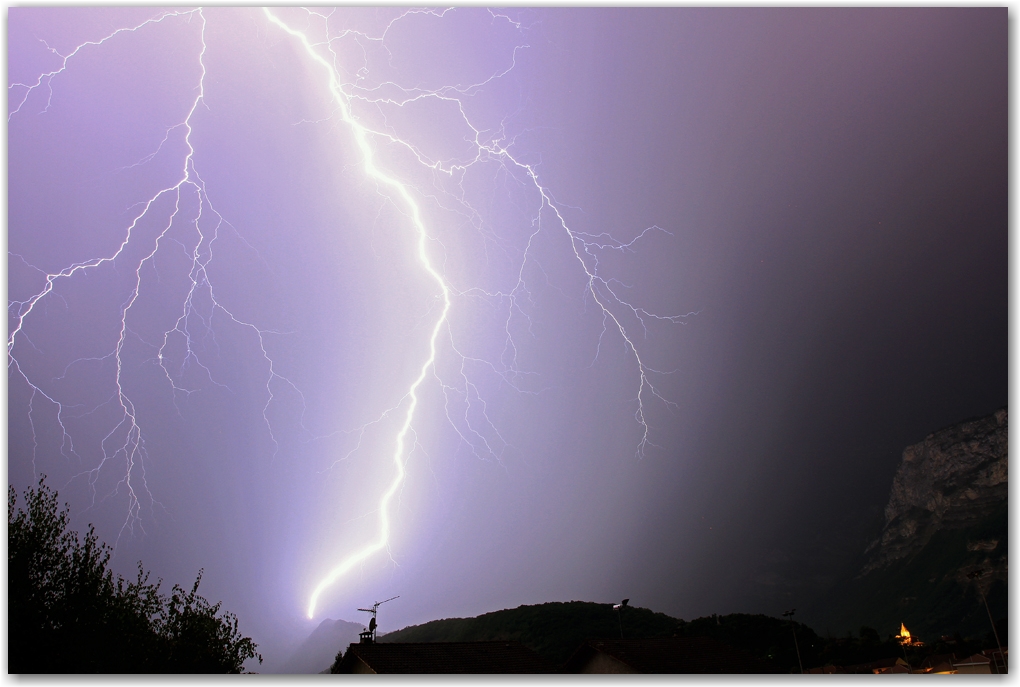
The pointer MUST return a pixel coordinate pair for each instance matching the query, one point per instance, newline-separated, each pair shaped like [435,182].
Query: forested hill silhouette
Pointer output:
[553,630]
[556,630]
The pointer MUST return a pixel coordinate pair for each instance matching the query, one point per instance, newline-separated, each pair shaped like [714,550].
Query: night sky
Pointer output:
[708,271]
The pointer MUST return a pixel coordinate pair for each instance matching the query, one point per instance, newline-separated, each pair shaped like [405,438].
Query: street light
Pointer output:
[619,609]
[789,614]
[976,575]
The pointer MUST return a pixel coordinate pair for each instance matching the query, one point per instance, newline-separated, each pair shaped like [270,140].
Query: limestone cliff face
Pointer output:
[950,480]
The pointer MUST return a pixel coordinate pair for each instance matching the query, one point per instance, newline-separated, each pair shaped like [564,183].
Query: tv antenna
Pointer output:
[368,636]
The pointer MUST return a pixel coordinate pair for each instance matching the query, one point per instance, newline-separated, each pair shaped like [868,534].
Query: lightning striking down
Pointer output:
[368,163]
[583,245]
[430,190]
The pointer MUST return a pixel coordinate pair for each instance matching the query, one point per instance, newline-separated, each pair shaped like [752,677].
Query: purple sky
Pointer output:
[800,215]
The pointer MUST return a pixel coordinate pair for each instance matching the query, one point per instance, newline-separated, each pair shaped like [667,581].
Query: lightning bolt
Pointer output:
[586,249]
[181,217]
[402,192]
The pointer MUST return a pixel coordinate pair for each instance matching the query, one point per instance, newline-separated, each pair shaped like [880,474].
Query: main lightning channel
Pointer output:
[372,170]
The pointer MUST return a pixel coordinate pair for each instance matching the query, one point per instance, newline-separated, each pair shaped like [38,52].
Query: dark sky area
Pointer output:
[709,272]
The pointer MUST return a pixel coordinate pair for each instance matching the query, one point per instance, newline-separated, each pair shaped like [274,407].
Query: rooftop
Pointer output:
[445,657]
[701,655]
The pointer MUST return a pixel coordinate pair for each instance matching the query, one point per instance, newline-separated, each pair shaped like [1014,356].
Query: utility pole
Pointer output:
[789,614]
[976,575]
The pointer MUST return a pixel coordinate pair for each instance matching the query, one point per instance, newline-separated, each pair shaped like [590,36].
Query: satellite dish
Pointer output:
[374,611]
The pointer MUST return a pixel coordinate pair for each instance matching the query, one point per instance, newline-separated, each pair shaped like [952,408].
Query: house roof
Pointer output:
[826,670]
[892,669]
[446,657]
[671,655]
[975,660]
[872,666]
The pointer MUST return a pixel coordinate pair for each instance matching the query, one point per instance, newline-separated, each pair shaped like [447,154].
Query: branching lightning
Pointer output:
[181,216]
[124,442]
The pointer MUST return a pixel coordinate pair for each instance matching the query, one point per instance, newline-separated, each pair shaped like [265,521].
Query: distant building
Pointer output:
[990,661]
[906,639]
[699,655]
[474,658]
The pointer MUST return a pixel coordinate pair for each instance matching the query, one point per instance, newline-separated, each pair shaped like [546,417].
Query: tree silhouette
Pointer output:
[335,667]
[68,612]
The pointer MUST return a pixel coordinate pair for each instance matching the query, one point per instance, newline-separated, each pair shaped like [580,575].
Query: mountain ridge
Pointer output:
[946,517]
[319,649]
[950,480]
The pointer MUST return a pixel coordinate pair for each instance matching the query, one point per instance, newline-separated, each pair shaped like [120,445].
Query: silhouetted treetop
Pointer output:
[69,613]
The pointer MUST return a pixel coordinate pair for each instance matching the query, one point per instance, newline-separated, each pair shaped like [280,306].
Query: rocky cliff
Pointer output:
[953,479]
[946,517]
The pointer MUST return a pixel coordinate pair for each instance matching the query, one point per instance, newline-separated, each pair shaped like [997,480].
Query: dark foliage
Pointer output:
[335,667]
[68,612]
[761,636]
[552,630]
[555,630]
[772,638]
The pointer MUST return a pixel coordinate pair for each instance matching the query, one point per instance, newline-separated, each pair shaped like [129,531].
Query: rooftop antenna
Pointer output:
[368,636]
